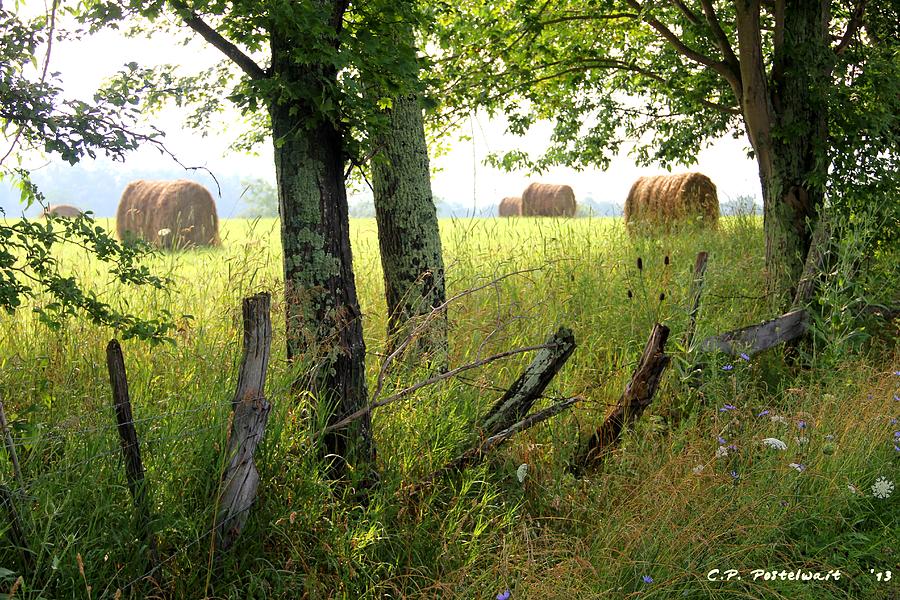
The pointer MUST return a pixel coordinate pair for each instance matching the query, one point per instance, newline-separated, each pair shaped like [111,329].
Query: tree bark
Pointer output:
[408,233]
[786,119]
[324,326]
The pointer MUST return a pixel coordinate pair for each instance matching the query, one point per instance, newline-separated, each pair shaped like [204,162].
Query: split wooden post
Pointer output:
[240,479]
[637,397]
[131,451]
[695,293]
[520,397]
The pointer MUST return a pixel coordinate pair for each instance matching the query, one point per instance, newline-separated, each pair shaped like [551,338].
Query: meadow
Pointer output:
[692,488]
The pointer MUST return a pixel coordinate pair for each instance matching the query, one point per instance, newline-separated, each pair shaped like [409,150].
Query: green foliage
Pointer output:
[35,118]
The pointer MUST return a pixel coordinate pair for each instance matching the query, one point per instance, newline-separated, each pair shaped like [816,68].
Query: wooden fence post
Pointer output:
[637,396]
[519,398]
[240,479]
[695,292]
[131,451]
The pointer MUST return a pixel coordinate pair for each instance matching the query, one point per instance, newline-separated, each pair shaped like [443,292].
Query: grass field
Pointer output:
[653,523]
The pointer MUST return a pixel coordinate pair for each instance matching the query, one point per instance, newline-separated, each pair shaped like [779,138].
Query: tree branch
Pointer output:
[719,67]
[852,27]
[690,15]
[193,20]
[722,40]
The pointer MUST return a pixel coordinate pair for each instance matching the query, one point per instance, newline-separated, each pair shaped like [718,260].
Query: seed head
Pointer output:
[640,264]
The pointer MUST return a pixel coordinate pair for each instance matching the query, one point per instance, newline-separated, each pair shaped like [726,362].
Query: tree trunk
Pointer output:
[408,233]
[786,118]
[324,325]
[796,183]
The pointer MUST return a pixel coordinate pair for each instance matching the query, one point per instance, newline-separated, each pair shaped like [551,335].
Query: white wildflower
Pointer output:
[778,419]
[803,440]
[852,488]
[722,451]
[775,443]
[800,468]
[698,469]
[164,232]
[882,488]
[521,472]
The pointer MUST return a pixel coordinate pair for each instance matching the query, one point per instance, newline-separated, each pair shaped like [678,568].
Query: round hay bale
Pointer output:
[66,211]
[546,200]
[511,206]
[168,214]
[667,199]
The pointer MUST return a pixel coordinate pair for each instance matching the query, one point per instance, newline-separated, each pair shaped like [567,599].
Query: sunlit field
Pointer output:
[666,510]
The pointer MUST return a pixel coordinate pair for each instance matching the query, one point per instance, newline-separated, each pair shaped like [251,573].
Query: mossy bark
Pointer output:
[408,233]
[786,115]
[324,326]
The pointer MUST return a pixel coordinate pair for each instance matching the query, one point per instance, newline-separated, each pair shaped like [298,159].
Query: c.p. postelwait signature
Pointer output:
[773,575]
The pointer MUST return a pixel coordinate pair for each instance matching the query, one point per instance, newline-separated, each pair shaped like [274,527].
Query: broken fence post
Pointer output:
[520,397]
[753,339]
[637,396]
[695,292]
[240,479]
[131,451]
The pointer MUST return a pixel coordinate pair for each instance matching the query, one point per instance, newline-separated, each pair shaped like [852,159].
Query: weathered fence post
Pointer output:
[695,292]
[131,451]
[521,395]
[637,396]
[240,479]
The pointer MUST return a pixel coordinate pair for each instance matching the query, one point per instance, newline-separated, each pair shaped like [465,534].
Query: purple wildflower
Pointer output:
[722,440]
[897,434]
[896,447]
[726,408]
[745,357]
[504,595]
[897,373]
[801,424]
[647,579]
[893,421]
[763,413]
[896,398]
[734,474]
[727,367]
[732,447]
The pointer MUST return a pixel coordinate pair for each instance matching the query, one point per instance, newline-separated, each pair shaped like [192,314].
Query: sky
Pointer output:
[459,176]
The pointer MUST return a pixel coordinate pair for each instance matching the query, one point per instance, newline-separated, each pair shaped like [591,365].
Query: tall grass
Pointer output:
[664,507]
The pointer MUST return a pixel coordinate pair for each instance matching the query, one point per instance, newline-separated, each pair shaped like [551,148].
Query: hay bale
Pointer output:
[66,211]
[168,214]
[511,206]
[667,199]
[546,200]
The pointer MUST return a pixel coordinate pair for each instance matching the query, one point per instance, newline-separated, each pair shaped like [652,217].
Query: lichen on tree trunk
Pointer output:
[408,234]
[786,115]
[324,326]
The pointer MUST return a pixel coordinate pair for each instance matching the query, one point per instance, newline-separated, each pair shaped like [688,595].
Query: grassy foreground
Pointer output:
[692,489]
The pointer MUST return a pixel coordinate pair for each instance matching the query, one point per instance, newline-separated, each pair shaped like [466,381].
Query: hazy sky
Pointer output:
[459,176]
